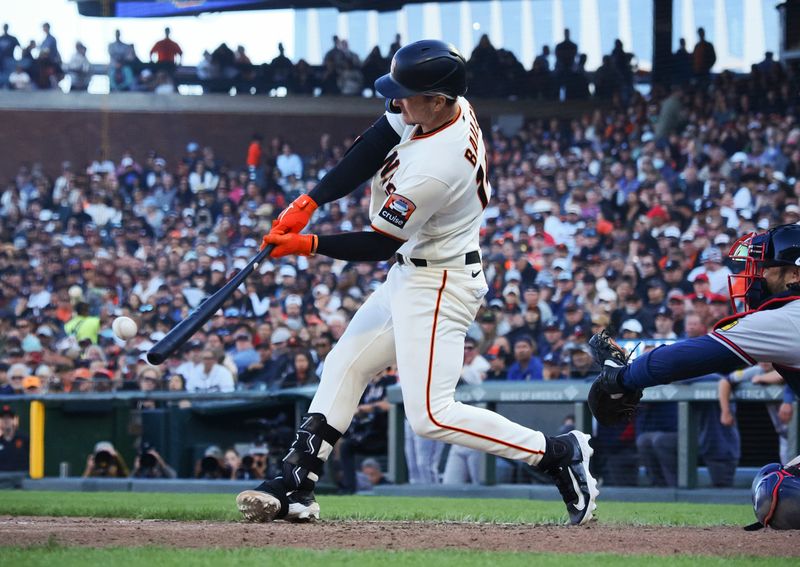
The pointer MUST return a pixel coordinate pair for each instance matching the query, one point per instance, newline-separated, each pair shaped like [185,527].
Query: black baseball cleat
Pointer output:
[576,484]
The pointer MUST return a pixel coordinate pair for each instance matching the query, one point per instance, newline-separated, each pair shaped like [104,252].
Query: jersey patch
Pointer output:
[729,326]
[397,210]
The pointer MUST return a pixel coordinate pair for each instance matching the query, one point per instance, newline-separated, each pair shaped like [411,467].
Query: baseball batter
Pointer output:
[766,330]
[429,187]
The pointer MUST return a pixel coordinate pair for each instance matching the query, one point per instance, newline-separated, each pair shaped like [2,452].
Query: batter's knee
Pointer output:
[422,425]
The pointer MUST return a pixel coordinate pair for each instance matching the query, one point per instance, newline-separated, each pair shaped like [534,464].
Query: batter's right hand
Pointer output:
[295,217]
[291,244]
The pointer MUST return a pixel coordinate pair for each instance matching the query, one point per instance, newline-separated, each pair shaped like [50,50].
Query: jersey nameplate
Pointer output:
[397,210]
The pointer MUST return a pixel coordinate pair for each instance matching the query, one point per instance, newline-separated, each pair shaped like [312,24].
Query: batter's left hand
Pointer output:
[291,244]
[295,217]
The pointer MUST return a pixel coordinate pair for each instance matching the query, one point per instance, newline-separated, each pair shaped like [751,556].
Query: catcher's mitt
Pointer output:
[605,348]
[612,409]
[611,403]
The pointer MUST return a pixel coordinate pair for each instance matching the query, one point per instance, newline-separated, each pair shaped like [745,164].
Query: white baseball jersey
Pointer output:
[430,194]
[432,188]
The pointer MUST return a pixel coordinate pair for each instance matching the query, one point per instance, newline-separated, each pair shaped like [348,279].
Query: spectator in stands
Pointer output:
[281,68]
[350,79]
[120,77]
[79,69]
[48,70]
[243,352]
[83,326]
[303,372]
[565,53]
[475,365]
[302,79]
[210,376]
[622,61]
[527,366]
[496,357]
[14,446]
[372,473]
[580,365]
[289,163]
[118,50]
[8,61]
[703,57]
[50,44]
[607,79]
[224,60]
[166,54]
[681,64]
[373,67]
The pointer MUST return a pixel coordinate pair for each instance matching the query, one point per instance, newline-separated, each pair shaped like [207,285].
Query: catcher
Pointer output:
[765,330]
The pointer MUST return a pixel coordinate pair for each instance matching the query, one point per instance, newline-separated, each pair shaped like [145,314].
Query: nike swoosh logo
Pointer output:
[475,274]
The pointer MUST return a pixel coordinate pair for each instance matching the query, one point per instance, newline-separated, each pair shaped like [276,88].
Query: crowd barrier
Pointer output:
[71,424]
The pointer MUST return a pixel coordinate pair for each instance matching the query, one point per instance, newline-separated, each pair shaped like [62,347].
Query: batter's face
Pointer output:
[427,111]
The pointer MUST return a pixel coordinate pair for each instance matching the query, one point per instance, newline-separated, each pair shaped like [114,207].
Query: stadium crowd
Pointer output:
[620,219]
[554,74]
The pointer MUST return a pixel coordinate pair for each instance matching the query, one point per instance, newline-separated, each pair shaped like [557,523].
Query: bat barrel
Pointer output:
[184,330]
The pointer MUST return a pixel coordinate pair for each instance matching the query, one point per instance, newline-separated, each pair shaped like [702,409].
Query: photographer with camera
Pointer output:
[212,465]
[105,462]
[149,464]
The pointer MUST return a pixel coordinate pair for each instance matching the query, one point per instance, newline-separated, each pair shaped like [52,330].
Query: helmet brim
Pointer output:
[388,87]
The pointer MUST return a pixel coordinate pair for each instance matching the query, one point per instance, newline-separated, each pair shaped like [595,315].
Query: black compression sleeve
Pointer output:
[360,163]
[358,246]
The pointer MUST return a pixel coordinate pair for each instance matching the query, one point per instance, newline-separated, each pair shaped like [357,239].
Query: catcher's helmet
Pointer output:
[779,246]
[776,497]
[429,67]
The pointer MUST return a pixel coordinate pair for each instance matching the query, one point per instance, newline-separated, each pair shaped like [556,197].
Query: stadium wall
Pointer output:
[49,127]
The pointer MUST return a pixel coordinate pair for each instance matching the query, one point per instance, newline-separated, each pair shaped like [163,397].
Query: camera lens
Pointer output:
[103,459]
[147,460]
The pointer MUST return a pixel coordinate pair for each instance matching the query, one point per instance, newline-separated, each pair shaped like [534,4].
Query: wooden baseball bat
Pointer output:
[184,330]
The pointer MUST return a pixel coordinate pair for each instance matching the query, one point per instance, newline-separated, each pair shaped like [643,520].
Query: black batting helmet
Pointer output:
[429,67]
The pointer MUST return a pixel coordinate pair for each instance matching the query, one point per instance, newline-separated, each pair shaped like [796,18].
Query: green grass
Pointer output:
[221,507]
[50,555]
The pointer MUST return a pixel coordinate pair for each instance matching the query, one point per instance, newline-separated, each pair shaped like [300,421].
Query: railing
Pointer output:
[687,396]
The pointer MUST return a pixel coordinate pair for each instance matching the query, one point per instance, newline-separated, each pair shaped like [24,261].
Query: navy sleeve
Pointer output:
[358,246]
[361,161]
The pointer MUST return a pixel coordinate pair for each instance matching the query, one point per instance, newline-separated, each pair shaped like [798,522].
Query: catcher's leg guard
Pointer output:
[292,493]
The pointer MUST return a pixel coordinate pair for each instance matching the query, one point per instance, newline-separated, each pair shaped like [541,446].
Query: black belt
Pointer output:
[473,257]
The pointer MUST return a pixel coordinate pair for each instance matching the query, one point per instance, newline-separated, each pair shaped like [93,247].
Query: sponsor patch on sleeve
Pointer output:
[397,210]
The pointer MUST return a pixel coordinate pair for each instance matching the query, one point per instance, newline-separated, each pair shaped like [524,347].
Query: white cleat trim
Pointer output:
[587,452]
[302,513]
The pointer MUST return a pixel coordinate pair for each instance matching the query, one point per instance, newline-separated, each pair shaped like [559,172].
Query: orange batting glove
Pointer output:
[290,244]
[295,217]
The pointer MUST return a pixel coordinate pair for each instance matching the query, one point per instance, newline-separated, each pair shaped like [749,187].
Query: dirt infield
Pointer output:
[400,536]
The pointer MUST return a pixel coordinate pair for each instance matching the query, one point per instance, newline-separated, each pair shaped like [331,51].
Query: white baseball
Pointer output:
[124,327]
